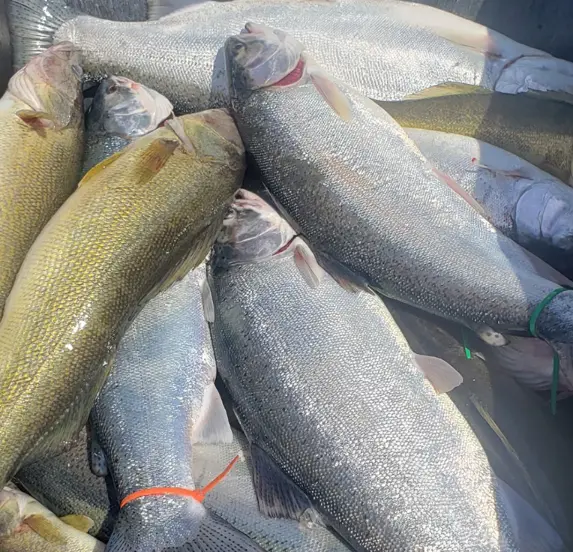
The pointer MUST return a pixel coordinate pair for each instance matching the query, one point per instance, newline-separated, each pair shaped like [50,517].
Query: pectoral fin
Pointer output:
[306,263]
[330,92]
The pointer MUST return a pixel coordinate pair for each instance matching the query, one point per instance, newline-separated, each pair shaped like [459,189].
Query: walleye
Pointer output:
[528,205]
[159,399]
[235,501]
[371,205]
[537,127]
[41,146]
[121,111]
[64,483]
[397,48]
[26,526]
[331,397]
[137,221]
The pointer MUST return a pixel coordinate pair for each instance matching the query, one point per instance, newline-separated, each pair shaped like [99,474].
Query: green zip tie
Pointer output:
[533,331]
[465,344]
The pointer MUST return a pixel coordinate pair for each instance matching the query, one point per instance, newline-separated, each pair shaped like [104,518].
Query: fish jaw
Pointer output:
[50,84]
[252,232]
[125,108]
[261,56]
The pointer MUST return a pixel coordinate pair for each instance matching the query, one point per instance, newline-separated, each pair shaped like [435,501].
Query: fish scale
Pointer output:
[362,194]
[392,55]
[93,265]
[324,382]
[39,168]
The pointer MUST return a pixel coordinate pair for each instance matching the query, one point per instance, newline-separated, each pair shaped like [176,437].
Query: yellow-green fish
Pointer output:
[27,526]
[538,127]
[41,145]
[136,222]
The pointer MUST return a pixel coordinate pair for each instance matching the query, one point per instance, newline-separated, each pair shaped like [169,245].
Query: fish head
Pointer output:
[50,86]
[252,232]
[126,108]
[544,215]
[260,57]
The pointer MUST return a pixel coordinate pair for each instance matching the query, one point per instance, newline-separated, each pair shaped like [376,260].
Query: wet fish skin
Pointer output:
[121,111]
[159,398]
[39,166]
[527,204]
[295,357]
[235,501]
[406,47]
[429,248]
[65,484]
[27,526]
[112,243]
[534,127]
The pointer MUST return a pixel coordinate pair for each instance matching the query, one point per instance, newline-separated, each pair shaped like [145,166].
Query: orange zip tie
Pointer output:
[196,494]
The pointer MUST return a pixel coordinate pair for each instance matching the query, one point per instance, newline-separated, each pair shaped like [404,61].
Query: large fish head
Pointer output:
[50,86]
[126,108]
[252,232]
[260,57]
[544,215]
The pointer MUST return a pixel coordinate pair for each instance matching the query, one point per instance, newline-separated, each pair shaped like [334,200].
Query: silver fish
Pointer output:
[371,205]
[333,401]
[121,111]
[235,501]
[527,204]
[159,398]
[395,48]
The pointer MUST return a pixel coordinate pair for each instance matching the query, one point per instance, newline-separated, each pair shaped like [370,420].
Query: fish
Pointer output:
[397,48]
[341,419]
[26,525]
[121,111]
[525,203]
[65,484]
[159,400]
[235,501]
[530,456]
[41,146]
[537,127]
[132,10]
[137,222]
[371,207]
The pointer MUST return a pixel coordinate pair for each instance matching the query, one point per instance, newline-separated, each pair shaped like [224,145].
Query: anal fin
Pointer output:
[277,495]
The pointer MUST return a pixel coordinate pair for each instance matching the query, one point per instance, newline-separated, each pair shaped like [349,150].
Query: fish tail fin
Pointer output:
[168,518]
[33,24]
[174,523]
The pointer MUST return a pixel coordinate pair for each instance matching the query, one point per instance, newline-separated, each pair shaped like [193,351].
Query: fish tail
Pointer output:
[177,524]
[33,24]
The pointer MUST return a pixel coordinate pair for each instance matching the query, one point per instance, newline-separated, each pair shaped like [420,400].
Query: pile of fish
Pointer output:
[267,267]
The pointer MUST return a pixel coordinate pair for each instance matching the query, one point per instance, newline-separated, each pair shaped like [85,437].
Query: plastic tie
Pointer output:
[196,494]
[533,331]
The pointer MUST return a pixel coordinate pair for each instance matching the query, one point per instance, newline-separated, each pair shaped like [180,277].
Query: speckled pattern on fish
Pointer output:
[324,382]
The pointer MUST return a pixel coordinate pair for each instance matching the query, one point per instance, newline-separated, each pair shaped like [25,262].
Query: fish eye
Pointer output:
[238,47]
[112,89]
